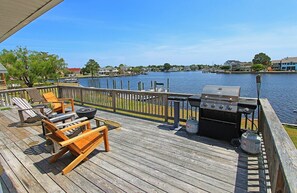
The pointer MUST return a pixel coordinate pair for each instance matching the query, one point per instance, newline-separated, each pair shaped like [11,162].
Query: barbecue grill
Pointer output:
[220,110]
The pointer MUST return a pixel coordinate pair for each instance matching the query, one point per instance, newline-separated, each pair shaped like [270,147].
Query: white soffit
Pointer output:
[15,14]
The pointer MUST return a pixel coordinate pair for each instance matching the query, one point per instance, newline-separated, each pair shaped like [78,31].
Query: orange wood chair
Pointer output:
[59,104]
[80,146]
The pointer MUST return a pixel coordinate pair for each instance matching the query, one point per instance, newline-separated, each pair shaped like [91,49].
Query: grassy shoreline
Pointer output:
[292,132]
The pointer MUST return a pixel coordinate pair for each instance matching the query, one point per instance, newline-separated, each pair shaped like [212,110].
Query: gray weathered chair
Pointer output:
[35,96]
[37,113]
[26,108]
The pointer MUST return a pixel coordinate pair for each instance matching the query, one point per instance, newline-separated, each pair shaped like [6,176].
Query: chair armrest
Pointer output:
[72,122]
[86,134]
[57,102]
[45,104]
[65,99]
[60,117]
[85,123]
[31,108]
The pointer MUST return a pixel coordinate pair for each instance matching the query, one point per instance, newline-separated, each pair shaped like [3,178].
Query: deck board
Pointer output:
[145,156]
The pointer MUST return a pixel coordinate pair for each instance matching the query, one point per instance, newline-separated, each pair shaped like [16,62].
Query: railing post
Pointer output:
[260,120]
[81,96]
[60,93]
[113,94]
[165,97]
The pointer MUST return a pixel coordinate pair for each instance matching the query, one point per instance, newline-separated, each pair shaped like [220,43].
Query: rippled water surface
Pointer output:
[280,89]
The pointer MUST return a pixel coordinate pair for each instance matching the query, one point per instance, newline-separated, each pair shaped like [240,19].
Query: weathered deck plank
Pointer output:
[145,157]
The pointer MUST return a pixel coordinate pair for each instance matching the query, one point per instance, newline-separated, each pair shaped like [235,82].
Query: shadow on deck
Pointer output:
[145,156]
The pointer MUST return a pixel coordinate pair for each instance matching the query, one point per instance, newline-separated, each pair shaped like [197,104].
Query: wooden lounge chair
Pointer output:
[59,104]
[80,146]
[37,113]
[26,108]
[35,96]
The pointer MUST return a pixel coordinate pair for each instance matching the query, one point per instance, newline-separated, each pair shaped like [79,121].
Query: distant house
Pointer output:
[275,64]
[174,69]
[236,65]
[187,68]
[74,70]
[107,70]
[286,64]
[3,71]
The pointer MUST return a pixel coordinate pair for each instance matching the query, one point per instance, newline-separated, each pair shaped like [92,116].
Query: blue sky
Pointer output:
[139,32]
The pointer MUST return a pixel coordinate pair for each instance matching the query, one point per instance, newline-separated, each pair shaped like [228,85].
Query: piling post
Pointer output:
[107,86]
[128,84]
[121,84]
[114,86]
[167,84]
[139,85]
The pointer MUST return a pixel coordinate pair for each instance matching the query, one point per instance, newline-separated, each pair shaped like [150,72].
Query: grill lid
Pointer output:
[217,92]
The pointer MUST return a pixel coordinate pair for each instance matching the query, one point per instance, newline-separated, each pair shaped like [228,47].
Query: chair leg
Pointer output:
[58,155]
[80,158]
[21,116]
[105,137]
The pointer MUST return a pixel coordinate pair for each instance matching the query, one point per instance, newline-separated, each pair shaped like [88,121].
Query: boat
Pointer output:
[71,80]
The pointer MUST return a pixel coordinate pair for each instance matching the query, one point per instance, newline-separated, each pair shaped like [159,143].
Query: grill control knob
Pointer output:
[204,104]
[246,110]
[213,106]
[221,106]
[229,108]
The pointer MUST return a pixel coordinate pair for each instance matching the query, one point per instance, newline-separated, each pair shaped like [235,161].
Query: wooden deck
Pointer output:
[145,156]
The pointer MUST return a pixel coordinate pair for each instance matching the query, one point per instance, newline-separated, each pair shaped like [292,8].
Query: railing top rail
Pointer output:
[286,152]
[128,91]
[22,89]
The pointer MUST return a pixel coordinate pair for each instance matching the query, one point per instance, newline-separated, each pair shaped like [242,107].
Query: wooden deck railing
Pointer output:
[281,153]
[153,104]
[7,95]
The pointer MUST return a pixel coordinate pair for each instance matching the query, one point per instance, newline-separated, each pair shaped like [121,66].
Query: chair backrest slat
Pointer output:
[24,104]
[50,97]
[35,95]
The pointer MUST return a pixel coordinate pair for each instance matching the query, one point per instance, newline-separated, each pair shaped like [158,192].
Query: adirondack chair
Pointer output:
[80,146]
[25,107]
[35,96]
[33,114]
[59,104]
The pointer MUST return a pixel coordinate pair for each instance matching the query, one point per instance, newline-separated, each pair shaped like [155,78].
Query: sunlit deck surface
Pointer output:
[145,156]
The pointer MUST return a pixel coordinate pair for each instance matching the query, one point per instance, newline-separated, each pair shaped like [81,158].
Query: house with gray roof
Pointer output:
[285,64]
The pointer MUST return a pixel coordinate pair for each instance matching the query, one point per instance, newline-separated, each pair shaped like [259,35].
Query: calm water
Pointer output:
[280,89]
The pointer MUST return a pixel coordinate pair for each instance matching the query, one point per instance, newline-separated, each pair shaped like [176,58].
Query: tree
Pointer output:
[225,68]
[136,70]
[262,58]
[167,66]
[193,67]
[92,66]
[122,68]
[31,66]
[257,67]
[84,71]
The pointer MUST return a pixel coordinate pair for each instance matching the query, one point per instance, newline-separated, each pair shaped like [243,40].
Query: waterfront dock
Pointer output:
[145,156]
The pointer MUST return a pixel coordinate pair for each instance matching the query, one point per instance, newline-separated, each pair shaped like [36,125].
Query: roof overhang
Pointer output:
[15,14]
[2,69]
